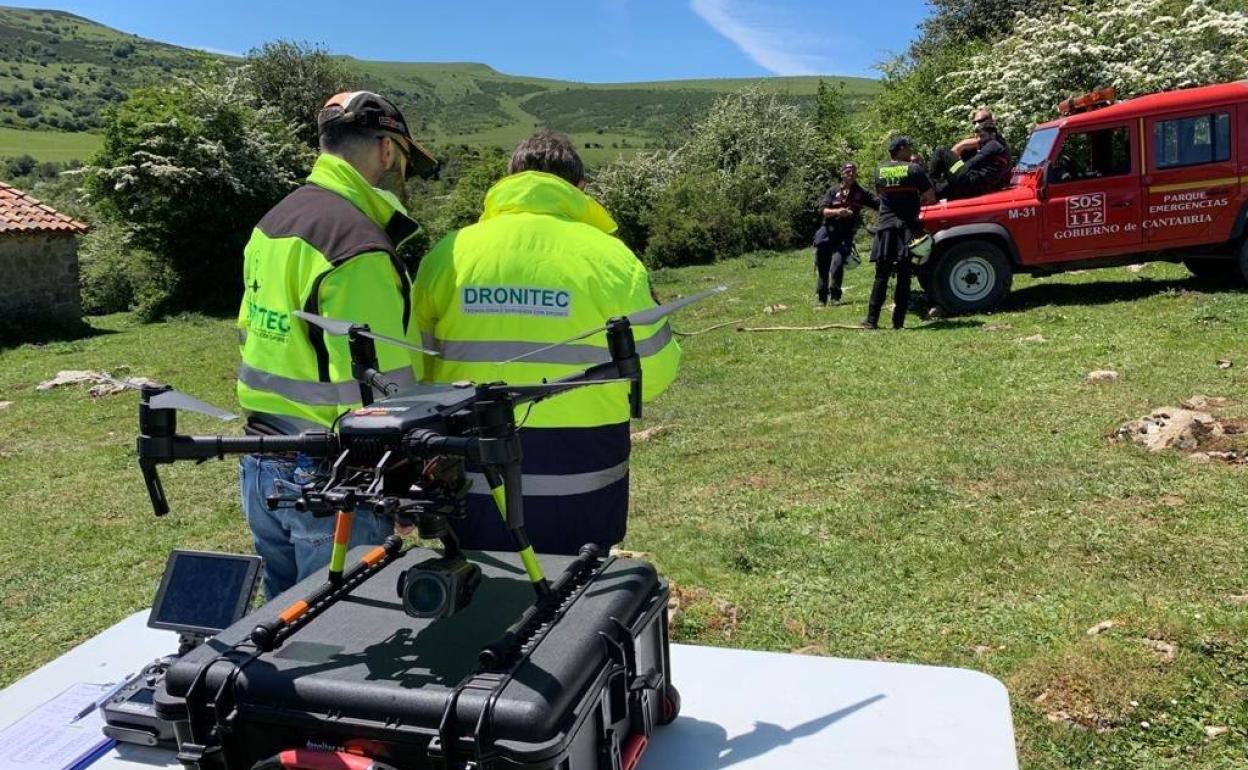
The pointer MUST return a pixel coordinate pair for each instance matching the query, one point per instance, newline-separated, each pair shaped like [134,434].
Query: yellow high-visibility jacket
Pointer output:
[328,248]
[539,267]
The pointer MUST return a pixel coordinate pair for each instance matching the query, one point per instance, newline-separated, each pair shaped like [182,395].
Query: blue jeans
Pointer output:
[292,544]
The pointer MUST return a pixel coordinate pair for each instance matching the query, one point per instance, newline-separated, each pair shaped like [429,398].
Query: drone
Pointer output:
[403,455]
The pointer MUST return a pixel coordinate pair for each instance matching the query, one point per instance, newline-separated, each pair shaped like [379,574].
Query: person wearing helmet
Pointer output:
[976,165]
[328,248]
[903,187]
[841,209]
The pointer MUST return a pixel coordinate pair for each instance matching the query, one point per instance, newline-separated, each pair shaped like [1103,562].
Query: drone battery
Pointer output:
[581,691]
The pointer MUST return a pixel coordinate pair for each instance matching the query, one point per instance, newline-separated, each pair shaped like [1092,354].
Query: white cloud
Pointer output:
[771,35]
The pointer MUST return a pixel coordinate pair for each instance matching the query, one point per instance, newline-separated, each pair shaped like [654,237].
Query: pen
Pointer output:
[95,704]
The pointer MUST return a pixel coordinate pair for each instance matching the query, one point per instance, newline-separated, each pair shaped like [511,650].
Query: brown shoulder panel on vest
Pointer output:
[328,222]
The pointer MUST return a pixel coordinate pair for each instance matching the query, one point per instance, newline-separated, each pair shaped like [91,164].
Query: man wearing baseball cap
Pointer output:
[974,166]
[903,187]
[841,209]
[328,248]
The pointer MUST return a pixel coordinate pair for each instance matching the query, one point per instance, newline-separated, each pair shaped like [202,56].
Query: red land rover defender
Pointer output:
[1160,177]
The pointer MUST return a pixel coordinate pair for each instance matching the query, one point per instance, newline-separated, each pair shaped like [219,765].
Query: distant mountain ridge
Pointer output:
[58,71]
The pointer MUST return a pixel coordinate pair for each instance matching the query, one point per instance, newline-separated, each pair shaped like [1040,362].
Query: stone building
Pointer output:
[38,261]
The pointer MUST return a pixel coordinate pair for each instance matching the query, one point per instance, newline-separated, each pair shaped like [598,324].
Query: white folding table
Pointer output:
[740,709]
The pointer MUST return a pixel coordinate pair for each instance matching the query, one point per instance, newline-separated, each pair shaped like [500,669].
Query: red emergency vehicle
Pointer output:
[1159,177]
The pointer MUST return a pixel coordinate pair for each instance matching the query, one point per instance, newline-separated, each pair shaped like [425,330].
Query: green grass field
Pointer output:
[47,145]
[943,495]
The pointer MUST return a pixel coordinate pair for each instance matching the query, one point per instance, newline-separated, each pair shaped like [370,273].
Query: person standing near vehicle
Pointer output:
[903,187]
[542,266]
[841,209]
[327,248]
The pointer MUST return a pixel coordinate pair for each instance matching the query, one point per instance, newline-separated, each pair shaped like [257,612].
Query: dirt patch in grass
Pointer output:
[1094,684]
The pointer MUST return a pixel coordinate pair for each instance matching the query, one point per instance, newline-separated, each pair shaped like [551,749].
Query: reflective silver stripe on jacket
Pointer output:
[549,485]
[493,351]
[317,393]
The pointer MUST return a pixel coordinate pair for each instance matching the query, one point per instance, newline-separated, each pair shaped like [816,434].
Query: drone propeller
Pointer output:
[343,328]
[552,388]
[176,399]
[647,317]
[639,318]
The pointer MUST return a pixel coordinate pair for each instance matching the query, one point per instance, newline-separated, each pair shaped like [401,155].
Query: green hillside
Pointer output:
[59,71]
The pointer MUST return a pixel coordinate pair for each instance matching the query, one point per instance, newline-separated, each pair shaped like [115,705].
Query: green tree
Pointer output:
[833,114]
[296,79]
[747,179]
[962,21]
[189,169]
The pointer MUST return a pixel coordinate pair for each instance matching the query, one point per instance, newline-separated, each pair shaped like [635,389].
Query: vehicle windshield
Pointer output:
[1039,144]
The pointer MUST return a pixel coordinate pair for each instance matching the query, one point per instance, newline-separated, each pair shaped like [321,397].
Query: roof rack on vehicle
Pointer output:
[1101,97]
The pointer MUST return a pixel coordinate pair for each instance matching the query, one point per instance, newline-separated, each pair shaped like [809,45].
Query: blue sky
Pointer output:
[589,40]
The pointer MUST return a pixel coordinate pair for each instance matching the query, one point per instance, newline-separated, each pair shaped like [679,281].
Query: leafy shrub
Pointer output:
[295,79]
[690,225]
[104,270]
[630,189]
[466,201]
[191,168]
[20,166]
[747,179]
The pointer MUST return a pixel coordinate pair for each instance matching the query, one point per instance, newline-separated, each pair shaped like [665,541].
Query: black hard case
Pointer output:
[364,676]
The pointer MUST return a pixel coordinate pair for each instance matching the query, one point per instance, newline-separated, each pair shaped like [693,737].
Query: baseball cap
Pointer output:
[369,110]
[897,142]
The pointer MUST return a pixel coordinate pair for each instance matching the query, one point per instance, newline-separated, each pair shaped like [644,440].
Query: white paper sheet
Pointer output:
[50,738]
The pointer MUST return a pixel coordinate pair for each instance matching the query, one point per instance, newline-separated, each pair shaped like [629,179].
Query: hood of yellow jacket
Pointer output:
[536,192]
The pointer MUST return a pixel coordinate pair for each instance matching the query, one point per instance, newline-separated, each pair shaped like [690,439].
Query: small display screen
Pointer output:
[204,591]
[141,696]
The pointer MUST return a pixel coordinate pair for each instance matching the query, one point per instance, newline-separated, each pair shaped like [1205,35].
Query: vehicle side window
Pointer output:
[1093,155]
[1192,141]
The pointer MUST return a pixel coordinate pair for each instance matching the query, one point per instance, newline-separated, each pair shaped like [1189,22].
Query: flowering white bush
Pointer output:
[1137,46]
[188,169]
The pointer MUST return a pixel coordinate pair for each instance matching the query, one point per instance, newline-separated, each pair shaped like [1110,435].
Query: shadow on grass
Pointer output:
[947,324]
[1102,292]
[17,331]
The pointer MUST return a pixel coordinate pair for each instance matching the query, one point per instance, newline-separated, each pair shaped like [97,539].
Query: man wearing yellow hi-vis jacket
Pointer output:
[328,248]
[542,266]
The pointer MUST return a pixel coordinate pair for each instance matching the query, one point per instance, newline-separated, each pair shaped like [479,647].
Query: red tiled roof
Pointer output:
[20,213]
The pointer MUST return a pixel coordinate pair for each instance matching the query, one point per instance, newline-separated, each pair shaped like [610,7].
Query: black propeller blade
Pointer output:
[553,388]
[640,318]
[343,328]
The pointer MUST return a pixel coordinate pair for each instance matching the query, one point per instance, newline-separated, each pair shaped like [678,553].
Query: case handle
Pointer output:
[311,759]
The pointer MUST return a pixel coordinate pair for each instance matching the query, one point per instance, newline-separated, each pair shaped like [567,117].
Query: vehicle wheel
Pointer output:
[1218,272]
[671,705]
[971,277]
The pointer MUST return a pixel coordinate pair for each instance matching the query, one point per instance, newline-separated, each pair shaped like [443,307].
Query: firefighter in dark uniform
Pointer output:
[841,209]
[978,165]
[903,186]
